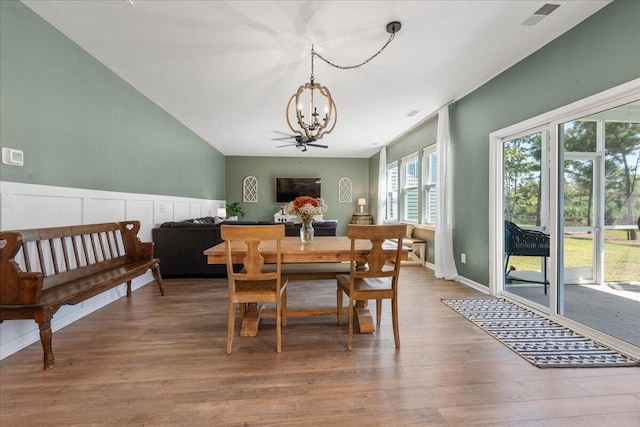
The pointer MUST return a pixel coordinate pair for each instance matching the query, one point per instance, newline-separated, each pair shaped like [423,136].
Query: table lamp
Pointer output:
[221,212]
[361,203]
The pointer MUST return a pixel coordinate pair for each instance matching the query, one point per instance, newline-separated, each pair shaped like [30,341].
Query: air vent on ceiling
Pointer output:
[546,9]
[540,14]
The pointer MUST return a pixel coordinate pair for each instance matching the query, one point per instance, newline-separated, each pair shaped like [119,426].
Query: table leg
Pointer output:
[363,315]
[365,319]
[251,319]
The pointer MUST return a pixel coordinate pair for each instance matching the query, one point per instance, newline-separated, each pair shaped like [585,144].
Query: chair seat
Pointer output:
[258,290]
[311,270]
[369,284]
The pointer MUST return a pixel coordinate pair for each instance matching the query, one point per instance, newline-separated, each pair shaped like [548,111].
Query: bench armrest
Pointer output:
[17,287]
[137,250]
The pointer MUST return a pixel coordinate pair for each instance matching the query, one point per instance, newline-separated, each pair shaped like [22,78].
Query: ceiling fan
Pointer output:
[300,143]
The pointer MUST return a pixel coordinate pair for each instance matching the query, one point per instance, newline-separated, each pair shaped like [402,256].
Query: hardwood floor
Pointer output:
[160,361]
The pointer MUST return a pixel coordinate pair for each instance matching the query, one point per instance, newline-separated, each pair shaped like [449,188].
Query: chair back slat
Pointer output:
[380,236]
[74,245]
[252,260]
[25,256]
[111,244]
[103,247]
[54,256]
[65,254]
[41,257]
[94,247]
[60,257]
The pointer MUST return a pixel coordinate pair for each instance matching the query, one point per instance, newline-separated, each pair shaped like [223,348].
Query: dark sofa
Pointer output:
[180,244]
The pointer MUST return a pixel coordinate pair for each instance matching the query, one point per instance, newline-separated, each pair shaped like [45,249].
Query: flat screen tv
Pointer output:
[288,188]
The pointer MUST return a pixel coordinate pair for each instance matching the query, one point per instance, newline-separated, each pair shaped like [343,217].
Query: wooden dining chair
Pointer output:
[378,279]
[251,284]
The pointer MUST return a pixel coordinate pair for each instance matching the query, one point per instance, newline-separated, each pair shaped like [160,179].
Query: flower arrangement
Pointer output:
[306,207]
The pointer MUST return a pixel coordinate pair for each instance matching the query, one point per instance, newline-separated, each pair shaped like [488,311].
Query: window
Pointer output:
[429,180]
[410,181]
[392,191]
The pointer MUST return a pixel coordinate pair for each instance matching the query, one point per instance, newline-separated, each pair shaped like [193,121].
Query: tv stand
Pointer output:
[278,217]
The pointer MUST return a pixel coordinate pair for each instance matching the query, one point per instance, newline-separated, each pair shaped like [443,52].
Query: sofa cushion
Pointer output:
[325,223]
[186,224]
[239,222]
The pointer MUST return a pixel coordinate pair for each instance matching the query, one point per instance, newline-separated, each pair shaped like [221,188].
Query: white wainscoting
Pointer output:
[24,206]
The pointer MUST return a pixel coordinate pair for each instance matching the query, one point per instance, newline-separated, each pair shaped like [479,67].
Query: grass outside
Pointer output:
[621,256]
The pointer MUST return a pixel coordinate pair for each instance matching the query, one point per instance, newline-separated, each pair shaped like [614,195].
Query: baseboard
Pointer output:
[475,285]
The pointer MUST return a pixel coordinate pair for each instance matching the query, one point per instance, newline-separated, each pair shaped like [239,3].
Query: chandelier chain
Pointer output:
[349,67]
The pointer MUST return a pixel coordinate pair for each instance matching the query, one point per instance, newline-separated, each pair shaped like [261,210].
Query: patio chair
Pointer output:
[520,242]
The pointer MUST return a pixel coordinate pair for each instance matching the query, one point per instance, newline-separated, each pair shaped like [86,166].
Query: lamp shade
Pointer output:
[362,202]
[221,212]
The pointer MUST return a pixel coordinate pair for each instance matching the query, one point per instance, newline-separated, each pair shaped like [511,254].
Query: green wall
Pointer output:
[82,126]
[600,53]
[265,169]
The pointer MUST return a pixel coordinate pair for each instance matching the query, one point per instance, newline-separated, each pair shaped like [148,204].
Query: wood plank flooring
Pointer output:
[160,361]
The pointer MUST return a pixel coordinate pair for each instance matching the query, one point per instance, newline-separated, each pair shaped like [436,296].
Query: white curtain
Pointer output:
[382,186]
[445,266]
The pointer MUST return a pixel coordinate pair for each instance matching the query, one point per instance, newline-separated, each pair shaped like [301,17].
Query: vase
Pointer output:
[306,231]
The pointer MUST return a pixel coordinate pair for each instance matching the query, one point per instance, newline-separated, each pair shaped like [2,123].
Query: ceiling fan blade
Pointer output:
[286,145]
[282,139]
[316,145]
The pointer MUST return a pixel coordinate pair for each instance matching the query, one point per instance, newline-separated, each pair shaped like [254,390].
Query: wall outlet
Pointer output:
[463,258]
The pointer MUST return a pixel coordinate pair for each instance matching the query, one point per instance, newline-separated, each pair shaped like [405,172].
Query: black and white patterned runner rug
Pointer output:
[541,341]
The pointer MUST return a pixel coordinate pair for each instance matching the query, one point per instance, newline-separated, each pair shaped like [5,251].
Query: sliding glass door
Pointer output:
[572,178]
[526,215]
[599,205]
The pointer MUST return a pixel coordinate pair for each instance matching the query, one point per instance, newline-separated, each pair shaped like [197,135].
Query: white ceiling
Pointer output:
[226,69]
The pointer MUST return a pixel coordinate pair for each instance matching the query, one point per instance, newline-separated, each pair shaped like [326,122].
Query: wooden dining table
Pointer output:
[323,249]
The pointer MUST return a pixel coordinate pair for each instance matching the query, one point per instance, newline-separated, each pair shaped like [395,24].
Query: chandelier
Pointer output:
[312,97]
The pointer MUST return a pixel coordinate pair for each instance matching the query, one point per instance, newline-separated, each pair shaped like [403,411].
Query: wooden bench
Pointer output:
[418,246]
[44,269]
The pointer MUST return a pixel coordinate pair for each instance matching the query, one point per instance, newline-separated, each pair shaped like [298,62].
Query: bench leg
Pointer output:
[47,348]
[128,288]
[156,274]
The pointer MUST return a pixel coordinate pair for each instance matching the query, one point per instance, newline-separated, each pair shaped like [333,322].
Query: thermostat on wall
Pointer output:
[12,156]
